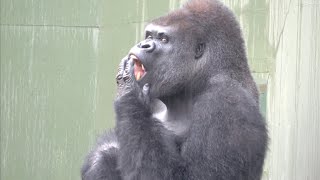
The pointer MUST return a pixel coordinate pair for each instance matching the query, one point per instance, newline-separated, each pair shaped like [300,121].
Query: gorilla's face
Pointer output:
[165,60]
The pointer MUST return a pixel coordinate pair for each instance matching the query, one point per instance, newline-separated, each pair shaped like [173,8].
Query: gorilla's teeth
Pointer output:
[138,75]
[142,67]
[133,57]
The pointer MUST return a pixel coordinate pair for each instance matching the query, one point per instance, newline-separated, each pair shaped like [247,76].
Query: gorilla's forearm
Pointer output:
[147,149]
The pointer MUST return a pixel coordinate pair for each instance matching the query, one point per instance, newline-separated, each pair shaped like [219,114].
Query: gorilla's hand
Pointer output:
[127,84]
[124,77]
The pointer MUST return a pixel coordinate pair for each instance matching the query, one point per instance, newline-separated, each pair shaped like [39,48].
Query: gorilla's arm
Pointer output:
[147,149]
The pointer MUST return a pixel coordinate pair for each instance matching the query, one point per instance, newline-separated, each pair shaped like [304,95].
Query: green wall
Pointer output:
[59,60]
[58,65]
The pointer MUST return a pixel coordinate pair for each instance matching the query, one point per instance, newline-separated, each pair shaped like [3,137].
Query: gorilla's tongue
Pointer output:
[139,70]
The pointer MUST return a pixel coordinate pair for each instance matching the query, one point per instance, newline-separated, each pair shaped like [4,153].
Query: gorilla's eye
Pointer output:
[149,37]
[164,40]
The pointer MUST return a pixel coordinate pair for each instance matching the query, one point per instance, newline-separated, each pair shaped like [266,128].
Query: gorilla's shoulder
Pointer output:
[227,90]
[228,100]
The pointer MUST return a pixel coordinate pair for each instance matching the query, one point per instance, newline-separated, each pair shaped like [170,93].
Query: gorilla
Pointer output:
[187,106]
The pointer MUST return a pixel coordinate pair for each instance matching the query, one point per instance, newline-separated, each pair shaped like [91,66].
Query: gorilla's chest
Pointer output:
[175,121]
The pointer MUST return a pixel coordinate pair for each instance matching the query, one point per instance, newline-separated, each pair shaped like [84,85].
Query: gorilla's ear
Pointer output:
[200,50]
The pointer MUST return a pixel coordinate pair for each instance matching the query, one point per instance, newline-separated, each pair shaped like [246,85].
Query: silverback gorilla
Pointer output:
[187,106]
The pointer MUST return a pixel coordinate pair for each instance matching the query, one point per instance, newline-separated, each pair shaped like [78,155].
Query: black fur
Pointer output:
[197,70]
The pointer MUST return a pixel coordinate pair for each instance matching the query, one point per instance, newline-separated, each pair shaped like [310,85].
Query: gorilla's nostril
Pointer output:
[145,46]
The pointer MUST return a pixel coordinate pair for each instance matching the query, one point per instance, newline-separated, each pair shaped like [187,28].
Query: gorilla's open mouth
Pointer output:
[139,69]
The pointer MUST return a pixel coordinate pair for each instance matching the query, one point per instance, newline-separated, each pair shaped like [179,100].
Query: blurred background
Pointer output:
[58,64]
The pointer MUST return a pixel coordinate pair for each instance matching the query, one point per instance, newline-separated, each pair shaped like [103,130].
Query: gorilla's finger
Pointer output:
[121,68]
[144,95]
[146,89]
[127,74]
[130,66]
